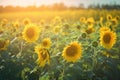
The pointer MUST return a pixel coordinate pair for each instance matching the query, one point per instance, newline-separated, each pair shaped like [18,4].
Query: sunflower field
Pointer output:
[60,45]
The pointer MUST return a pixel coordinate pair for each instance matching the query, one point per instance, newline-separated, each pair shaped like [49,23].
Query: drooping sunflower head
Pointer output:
[72,52]
[108,39]
[4,44]
[31,33]
[46,43]
[43,55]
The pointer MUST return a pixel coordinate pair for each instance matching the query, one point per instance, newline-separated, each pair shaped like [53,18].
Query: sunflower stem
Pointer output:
[94,58]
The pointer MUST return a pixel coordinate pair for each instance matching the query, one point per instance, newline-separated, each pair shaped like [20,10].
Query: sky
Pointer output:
[25,3]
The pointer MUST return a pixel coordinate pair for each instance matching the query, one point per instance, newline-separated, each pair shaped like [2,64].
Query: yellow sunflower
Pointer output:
[56,29]
[15,24]
[107,39]
[31,33]
[109,17]
[114,21]
[90,30]
[46,43]
[108,24]
[42,21]
[4,22]
[90,21]
[26,21]
[3,44]
[43,55]
[72,52]
[103,28]
[82,19]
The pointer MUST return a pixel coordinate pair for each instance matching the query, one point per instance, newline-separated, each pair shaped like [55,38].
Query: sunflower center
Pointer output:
[30,33]
[2,44]
[109,17]
[106,38]
[44,55]
[45,43]
[71,51]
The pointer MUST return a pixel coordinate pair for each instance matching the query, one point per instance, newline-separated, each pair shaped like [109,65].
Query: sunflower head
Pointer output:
[72,52]
[90,30]
[46,43]
[4,44]
[90,21]
[26,21]
[31,33]
[114,21]
[82,19]
[107,39]
[117,17]
[15,24]
[103,28]
[43,55]
[1,31]
[83,35]
[4,22]
[42,21]
[56,29]
[109,17]
[108,24]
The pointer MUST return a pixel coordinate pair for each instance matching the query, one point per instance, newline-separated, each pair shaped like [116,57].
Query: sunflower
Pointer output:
[90,30]
[109,17]
[90,21]
[108,24]
[56,29]
[31,33]
[42,21]
[114,21]
[43,55]
[26,21]
[82,19]
[117,17]
[103,28]
[3,44]
[4,22]
[1,31]
[15,24]
[72,52]
[46,43]
[107,39]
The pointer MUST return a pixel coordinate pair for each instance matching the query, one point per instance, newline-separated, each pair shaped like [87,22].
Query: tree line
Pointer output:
[57,6]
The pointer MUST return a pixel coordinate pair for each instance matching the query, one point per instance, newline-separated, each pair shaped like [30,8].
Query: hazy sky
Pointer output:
[49,2]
